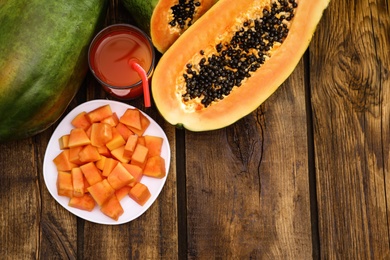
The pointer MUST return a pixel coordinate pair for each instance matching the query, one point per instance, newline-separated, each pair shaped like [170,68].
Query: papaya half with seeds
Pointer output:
[232,59]
[166,20]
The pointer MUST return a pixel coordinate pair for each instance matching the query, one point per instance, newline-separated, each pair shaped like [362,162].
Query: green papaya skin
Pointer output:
[43,60]
[141,11]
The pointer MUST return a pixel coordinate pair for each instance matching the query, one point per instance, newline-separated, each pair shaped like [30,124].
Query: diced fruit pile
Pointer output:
[104,157]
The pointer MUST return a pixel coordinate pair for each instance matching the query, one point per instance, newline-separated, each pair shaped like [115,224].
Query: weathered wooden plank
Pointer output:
[248,184]
[350,93]
[19,200]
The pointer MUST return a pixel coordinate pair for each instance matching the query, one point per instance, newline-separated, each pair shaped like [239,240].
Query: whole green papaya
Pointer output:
[43,60]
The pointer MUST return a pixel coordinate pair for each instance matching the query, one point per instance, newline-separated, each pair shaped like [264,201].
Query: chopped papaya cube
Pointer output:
[89,153]
[100,164]
[62,161]
[104,151]
[64,184]
[144,125]
[91,173]
[139,156]
[101,191]
[88,132]
[141,140]
[154,144]
[78,137]
[81,121]
[140,193]
[109,166]
[99,114]
[116,141]
[86,202]
[155,167]
[112,120]
[77,182]
[86,184]
[118,154]
[64,142]
[119,177]
[134,170]
[74,154]
[130,145]
[112,208]
[123,130]
[131,118]
[122,192]
[101,133]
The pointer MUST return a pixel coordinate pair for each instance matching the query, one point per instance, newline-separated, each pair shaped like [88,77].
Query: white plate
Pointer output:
[131,209]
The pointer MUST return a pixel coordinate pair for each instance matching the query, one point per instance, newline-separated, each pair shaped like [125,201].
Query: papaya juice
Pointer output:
[109,57]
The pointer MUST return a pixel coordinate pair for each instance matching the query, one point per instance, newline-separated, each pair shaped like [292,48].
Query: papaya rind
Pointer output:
[242,101]
[43,60]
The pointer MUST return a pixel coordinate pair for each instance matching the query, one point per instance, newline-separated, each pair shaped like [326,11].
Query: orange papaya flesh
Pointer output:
[112,208]
[86,202]
[166,20]
[90,176]
[236,55]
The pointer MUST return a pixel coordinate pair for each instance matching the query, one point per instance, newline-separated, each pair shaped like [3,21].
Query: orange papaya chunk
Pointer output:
[89,153]
[101,133]
[100,163]
[116,141]
[135,171]
[99,114]
[155,167]
[112,120]
[86,202]
[112,208]
[118,154]
[130,145]
[140,193]
[78,137]
[122,192]
[86,184]
[109,165]
[77,182]
[131,118]
[123,130]
[141,140]
[101,191]
[64,142]
[119,177]
[104,151]
[139,156]
[88,131]
[62,161]
[91,173]
[154,144]
[74,154]
[81,121]
[64,184]
[145,122]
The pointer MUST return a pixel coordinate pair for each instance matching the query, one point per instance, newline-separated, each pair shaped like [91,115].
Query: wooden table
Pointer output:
[304,176]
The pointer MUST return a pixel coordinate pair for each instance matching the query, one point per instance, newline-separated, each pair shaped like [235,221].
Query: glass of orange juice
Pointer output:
[109,57]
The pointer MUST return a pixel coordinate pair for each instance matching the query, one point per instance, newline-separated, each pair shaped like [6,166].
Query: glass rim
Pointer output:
[114,27]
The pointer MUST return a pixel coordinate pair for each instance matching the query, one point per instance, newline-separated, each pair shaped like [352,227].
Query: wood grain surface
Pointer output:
[349,82]
[304,176]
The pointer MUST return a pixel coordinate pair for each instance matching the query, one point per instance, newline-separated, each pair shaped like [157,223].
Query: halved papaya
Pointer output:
[232,59]
[166,20]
